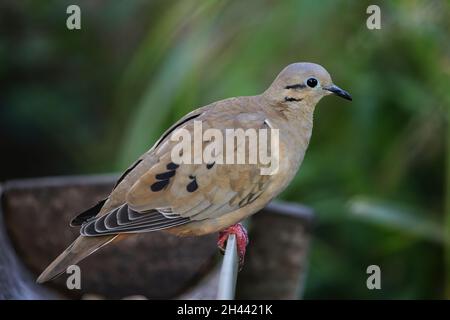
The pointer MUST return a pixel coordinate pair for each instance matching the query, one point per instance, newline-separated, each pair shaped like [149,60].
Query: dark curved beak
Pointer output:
[339,92]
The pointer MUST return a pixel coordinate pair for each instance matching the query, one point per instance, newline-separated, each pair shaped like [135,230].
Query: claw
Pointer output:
[241,240]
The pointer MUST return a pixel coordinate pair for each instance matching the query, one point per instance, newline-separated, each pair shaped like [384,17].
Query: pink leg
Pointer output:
[241,240]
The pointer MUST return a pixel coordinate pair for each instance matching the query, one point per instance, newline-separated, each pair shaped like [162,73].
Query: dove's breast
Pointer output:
[276,183]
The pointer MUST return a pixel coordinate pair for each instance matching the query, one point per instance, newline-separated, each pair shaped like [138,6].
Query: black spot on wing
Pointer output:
[159,185]
[165,175]
[210,165]
[172,166]
[192,186]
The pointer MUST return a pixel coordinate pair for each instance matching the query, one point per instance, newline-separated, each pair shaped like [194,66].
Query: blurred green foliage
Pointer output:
[92,100]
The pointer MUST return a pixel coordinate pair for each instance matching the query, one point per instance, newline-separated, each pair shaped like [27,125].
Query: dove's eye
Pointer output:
[312,82]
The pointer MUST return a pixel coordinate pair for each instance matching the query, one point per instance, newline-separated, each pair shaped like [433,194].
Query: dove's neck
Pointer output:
[295,117]
[295,121]
[299,124]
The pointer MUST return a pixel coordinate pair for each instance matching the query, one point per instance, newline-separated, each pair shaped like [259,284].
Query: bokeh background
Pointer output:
[92,100]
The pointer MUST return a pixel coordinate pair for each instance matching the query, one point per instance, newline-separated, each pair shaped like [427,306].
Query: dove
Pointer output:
[157,193]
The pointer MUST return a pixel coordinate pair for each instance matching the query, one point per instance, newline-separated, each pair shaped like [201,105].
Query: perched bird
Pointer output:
[156,193]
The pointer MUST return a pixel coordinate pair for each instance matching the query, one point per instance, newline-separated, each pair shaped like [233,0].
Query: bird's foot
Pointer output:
[241,240]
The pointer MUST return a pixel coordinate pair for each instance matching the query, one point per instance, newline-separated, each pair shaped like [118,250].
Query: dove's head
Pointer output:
[304,83]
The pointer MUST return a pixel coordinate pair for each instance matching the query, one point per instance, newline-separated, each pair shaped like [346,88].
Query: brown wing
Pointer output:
[169,194]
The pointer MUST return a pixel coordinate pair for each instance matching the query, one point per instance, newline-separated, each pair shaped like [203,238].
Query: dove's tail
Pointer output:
[77,251]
